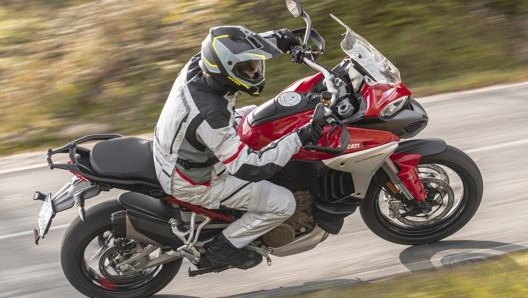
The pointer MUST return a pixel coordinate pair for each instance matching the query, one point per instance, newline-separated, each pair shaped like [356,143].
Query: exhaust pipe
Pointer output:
[144,228]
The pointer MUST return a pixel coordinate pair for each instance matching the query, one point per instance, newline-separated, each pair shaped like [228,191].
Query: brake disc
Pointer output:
[443,197]
[107,266]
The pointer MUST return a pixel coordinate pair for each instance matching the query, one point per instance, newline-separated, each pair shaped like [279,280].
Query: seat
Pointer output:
[125,158]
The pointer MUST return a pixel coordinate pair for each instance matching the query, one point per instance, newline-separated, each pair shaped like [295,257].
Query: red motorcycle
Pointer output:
[408,192]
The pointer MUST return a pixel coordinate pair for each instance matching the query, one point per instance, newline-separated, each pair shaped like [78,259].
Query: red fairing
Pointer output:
[259,136]
[379,95]
[409,174]
[304,85]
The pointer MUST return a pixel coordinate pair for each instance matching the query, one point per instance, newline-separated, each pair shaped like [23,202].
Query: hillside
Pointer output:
[79,66]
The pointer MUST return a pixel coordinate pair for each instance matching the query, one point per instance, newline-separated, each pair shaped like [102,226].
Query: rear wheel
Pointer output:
[90,254]
[453,184]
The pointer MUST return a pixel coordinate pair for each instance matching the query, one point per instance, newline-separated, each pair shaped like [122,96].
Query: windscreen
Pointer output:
[368,57]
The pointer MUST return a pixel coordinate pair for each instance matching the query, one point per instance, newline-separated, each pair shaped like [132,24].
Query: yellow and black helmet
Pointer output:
[234,56]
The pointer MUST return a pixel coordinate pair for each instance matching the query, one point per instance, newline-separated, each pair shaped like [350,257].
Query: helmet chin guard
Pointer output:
[235,55]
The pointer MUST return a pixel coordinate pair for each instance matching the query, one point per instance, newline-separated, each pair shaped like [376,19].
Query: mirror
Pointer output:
[294,7]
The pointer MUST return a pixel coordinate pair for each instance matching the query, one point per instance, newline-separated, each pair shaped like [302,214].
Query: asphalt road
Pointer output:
[490,124]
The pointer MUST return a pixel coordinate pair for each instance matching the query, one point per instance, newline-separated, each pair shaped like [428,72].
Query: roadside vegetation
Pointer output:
[72,67]
[505,276]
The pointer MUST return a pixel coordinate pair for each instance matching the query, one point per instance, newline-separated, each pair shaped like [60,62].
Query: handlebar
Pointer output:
[328,79]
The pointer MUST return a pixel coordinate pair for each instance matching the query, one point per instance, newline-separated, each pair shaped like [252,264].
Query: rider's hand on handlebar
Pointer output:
[286,40]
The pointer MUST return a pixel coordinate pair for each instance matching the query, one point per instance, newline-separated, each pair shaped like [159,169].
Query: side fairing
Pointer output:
[379,95]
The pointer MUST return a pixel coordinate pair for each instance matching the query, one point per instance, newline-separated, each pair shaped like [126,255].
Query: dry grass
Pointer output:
[72,62]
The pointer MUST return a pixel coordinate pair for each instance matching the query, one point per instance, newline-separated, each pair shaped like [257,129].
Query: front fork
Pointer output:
[404,176]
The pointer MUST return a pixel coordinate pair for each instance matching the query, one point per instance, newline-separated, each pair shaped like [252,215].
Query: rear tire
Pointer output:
[80,234]
[453,159]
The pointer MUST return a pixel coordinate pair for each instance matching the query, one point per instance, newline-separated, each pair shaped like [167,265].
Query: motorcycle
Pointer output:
[408,192]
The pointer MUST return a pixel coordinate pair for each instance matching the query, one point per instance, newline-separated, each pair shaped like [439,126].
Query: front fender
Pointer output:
[423,147]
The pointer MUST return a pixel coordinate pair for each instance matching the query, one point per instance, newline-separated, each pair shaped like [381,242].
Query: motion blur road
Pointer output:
[490,124]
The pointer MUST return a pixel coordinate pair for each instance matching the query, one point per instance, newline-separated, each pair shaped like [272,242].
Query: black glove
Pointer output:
[286,40]
[310,133]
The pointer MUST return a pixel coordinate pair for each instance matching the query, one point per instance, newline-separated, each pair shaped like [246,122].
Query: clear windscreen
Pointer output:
[368,57]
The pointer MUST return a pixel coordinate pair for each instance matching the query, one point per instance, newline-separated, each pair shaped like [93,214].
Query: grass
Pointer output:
[76,62]
[505,276]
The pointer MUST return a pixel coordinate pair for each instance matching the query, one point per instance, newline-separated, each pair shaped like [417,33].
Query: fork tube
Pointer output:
[392,171]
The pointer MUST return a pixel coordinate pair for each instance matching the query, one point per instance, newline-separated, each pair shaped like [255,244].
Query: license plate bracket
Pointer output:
[46,214]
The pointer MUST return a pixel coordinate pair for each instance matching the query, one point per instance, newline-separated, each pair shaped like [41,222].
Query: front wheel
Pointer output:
[453,184]
[90,253]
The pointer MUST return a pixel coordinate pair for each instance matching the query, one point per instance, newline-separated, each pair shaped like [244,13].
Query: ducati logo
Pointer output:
[353,146]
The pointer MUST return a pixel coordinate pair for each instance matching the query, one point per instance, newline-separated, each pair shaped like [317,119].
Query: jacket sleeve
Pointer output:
[242,112]
[283,39]
[243,162]
[270,36]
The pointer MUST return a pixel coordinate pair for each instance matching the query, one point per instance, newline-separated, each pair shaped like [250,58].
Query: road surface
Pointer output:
[490,124]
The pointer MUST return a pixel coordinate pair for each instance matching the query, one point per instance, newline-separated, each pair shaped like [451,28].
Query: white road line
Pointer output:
[497,146]
[27,233]
[32,167]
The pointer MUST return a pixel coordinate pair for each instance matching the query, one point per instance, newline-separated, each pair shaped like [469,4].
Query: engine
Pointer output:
[300,223]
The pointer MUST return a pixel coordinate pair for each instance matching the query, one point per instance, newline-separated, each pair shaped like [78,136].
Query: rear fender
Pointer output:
[74,193]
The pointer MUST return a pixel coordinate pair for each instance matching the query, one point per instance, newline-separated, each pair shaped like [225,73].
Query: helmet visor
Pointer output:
[250,70]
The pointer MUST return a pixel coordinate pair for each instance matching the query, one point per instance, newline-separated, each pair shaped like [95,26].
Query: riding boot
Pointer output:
[221,252]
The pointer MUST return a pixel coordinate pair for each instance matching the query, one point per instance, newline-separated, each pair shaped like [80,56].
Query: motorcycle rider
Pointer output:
[198,155]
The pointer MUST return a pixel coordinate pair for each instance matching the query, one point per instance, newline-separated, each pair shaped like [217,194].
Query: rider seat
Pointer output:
[125,158]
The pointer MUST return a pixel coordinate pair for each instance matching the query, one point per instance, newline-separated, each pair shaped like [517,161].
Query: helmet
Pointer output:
[234,56]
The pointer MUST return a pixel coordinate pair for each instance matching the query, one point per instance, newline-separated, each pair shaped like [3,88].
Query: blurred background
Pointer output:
[73,67]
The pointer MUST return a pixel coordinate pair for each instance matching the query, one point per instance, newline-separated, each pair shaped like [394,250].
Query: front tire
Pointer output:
[452,160]
[80,235]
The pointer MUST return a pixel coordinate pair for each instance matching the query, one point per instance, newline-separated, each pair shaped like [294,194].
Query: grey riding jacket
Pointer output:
[196,141]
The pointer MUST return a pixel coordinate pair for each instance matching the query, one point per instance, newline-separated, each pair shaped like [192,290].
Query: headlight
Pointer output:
[394,107]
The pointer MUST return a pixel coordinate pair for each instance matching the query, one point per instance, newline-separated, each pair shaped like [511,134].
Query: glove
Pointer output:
[285,40]
[310,133]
